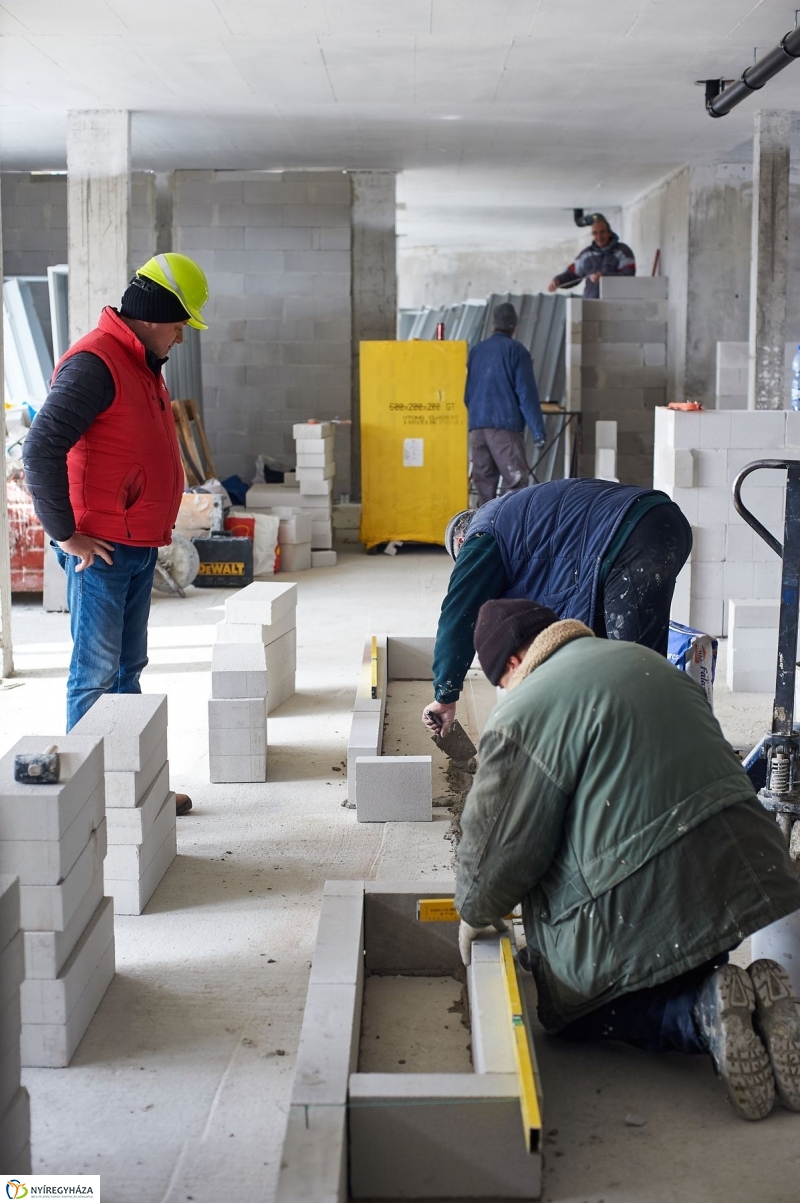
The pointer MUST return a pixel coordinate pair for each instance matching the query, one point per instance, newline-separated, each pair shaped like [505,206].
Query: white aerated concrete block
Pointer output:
[314,1156]
[12,967]
[131,897]
[634,288]
[53,1045]
[130,825]
[605,463]
[128,789]
[44,812]
[328,1049]
[605,435]
[295,557]
[46,952]
[131,726]
[53,1000]
[243,632]
[321,535]
[129,862]
[310,460]
[9,909]
[261,603]
[316,488]
[315,474]
[50,908]
[302,431]
[752,645]
[316,447]
[323,559]
[236,769]
[410,657]
[239,670]
[294,528]
[47,862]
[394,789]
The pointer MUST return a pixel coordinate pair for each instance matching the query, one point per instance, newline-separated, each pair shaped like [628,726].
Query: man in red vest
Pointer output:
[104,470]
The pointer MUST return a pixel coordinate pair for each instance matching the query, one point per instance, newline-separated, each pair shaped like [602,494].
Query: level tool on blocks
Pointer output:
[374,666]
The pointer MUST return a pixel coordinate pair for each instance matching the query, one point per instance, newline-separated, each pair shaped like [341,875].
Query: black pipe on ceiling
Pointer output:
[720,100]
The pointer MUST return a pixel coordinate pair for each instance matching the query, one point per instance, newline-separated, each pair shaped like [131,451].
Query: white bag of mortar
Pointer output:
[694,653]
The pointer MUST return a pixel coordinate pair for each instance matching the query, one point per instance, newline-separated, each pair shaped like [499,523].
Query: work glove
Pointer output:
[467,934]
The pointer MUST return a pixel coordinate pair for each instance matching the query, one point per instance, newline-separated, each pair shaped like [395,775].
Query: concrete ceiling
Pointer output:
[500,113]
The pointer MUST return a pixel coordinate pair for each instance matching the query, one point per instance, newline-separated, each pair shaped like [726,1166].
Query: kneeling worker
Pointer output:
[608,802]
[604,553]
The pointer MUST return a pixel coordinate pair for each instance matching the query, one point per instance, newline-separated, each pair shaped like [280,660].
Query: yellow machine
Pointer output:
[414,459]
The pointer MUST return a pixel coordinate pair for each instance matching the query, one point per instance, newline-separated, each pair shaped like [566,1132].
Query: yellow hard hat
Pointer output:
[184,278]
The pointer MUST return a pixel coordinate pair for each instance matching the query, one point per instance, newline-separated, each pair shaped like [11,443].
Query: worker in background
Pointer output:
[609,804]
[604,553]
[104,470]
[607,256]
[501,398]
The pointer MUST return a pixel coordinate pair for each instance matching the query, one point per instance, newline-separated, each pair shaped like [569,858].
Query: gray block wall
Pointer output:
[276,249]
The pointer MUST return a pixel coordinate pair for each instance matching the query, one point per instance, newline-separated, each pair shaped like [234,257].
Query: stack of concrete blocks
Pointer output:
[140,807]
[622,366]
[752,653]
[698,455]
[605,450]
[54,839]
[410,1135]
[733,361]
[253,669]
[15,1119]
[316,468]
[347,522]
[387,789]
[287,501]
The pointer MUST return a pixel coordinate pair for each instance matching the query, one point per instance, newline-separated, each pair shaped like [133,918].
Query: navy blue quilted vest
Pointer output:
[553,537]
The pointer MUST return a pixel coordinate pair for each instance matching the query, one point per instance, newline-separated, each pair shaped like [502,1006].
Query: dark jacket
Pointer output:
[546,543]
[83,388]
[608,802]
[616,259]
[501,390]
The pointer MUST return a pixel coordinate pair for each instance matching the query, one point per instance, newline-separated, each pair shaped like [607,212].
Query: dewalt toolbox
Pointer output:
[226,562]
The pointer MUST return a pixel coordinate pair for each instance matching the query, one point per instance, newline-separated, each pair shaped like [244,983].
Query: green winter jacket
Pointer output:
[608,802]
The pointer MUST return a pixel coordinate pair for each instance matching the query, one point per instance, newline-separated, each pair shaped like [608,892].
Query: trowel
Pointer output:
[457,745]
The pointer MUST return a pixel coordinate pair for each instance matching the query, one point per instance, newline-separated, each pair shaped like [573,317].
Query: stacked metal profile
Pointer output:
[15,1118]
[53,838]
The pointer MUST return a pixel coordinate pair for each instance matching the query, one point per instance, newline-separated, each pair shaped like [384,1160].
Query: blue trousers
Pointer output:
[659,1019]
[108,606]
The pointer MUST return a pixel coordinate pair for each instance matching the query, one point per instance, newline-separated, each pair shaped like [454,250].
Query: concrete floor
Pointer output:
[179,1089]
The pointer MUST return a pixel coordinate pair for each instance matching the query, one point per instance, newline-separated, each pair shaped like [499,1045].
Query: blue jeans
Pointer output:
[108,607]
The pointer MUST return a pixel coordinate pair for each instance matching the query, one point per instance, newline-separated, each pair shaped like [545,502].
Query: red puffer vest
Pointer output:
[125,474]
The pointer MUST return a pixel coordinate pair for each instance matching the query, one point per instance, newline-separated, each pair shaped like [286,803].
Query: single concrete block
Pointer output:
[310,475]
[128,789]
[281,692]
[605,463]
[130,825]
[758,428]
[46,952]
[339,951]
[295,529]
[50,908]
[634,288]
[131,897]
[262,603]
[492,1045]
[54,1000]
[239,670]
[9,909]
[317,431]
[232,769]
[228,714]
[53,1045]
[410,657]
[314,1156]
[328,1050]
[12,968]
[366,735]
[323,559]
[44,812]
[315,447]
[395,941]
[47,862]
[316,488]
[313,460]
[296,557]
[253,632]
[128,862]
[10,1068]
[760,614]
[605,435]
[10,1021]
[131,726]
[321,536]
[15,1127]
[439,1136]
[394,789]
[239,741]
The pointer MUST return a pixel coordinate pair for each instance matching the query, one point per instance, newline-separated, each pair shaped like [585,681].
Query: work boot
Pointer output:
[183,804]
[777,1022]
[723,1014]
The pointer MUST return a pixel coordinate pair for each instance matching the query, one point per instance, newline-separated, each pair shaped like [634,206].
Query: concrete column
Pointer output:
[769,258]
[98,212]
[374,282]
[164,199]
[6,657]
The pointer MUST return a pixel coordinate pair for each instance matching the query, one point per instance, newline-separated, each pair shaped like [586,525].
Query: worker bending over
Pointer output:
[609,804]
[606,256]
[501,399]
[604,553]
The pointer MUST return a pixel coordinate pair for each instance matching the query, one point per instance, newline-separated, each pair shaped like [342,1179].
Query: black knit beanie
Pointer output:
[503,627]
[505,317]
[149,302]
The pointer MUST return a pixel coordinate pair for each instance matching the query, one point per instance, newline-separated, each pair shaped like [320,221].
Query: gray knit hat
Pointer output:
[504,625]
[454,527]
[505,316]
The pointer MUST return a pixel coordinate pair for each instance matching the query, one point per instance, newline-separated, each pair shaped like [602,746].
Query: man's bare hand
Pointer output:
[439,717]
[595,276]
[553,286]
[86,547]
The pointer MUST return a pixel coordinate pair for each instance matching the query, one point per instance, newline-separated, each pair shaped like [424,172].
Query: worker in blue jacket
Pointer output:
[604,553]
[501,398]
